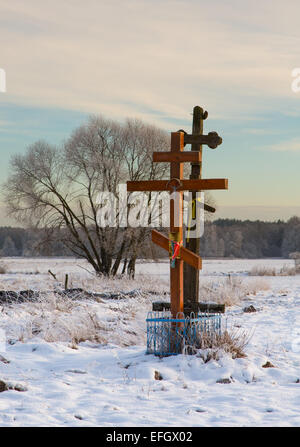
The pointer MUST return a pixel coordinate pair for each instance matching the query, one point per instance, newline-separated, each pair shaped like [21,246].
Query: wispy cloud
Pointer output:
[156,59]
[5,126]
[284,146]
[259,131]
[137,57]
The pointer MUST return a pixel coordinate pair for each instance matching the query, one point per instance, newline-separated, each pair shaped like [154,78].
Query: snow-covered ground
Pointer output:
[108,380]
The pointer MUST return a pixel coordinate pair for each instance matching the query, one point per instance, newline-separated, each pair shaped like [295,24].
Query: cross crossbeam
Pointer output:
[212,139]
[181,157]
[186,255]
[183,185]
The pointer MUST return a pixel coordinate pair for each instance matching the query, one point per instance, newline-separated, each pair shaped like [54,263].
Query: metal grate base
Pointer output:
[172,336]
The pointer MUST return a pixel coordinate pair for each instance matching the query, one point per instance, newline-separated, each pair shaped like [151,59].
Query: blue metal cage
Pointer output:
[171,336]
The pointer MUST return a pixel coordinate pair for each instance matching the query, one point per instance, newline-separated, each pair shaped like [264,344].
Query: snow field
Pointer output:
[109,381]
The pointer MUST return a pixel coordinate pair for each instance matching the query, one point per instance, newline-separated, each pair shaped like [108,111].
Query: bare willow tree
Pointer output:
[57,188]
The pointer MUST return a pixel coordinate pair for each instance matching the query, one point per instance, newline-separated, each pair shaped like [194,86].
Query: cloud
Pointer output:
[259,131]
[284,146]
[5,125]
[148,58]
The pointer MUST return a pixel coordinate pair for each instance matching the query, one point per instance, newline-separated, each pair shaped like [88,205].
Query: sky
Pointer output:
[155,60]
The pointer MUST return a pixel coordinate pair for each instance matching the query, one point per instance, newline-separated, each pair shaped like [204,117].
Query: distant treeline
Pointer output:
[28,242]
[250,239]
[222,238]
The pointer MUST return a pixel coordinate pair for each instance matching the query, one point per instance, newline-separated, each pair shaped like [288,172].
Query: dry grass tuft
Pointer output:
[255,285]
[60,319]
[230,291]
[268,271]
[212,347]
[287,271]
[262,271]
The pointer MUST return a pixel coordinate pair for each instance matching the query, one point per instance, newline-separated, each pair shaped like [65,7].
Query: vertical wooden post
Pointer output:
[191,275]
[176,273]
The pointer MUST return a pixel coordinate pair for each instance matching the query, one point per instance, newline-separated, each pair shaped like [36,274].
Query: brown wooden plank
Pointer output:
[186,255]
[160,239]
[205,307]
[191,258]
[148,185]
[176,288]
[204,184]
[176,172]
[213,140]
[159,306]
[186,185]
[176,272]
[179,157]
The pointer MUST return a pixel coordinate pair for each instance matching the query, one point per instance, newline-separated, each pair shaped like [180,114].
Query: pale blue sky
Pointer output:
[156,60]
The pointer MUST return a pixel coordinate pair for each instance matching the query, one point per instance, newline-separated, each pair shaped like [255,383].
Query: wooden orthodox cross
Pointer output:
[176,157]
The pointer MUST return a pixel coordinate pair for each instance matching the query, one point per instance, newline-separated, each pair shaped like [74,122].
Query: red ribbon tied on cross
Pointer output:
[176,249]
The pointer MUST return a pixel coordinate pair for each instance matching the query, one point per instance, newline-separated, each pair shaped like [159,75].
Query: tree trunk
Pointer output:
[131,267]
[117,262]
[124,266]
